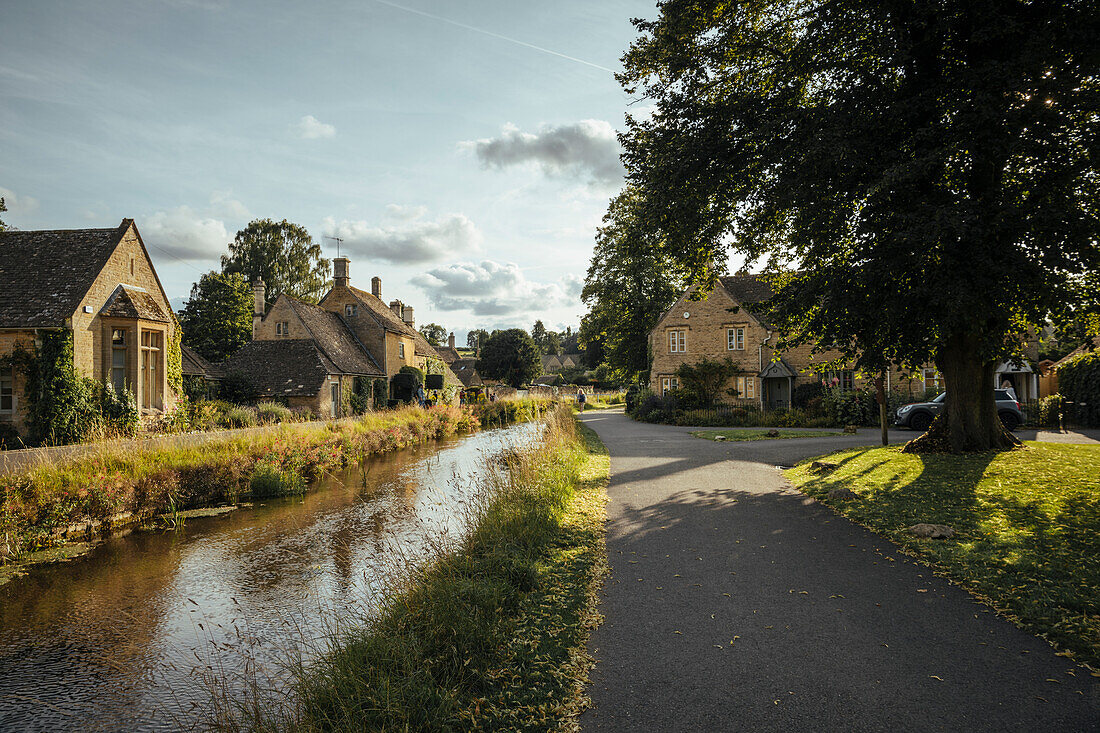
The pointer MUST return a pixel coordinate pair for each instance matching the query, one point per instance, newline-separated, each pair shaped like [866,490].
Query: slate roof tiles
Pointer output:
[45,274]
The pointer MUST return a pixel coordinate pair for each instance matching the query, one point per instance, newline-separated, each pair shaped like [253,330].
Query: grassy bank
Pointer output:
[1027,524]
[40,507]
[489,636]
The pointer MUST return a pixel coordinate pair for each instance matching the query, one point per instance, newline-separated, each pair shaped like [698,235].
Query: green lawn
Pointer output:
[740,434]
[1028,524]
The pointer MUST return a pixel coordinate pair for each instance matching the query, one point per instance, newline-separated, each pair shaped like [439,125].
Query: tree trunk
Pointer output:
[880,395]
[969,421]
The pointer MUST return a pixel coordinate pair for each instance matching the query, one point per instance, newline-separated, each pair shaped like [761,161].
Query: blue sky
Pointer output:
[464,150]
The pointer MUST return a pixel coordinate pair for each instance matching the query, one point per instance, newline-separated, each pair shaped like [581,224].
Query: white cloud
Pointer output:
[224,206]
[311,128]
[587,149]
[18,204]
[412,241]
[573,284]
[488,289]
[184,234]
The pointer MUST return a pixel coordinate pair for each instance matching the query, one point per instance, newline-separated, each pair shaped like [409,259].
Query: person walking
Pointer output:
[580,399]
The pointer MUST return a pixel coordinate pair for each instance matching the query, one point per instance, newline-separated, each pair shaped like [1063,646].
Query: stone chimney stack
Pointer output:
[376,287]
[451,340]
[395,306]
[407,316]
[340,273]
[258,292]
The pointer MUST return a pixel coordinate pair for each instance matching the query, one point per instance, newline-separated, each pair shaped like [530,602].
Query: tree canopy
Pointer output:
[510,356]
[281,253]
[923,172]
[477,337]
[3,208]
[631,281]
[217,318]
[434,333]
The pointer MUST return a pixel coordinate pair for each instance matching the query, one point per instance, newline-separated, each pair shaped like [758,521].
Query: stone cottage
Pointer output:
[101,285]
[317,356]
[719,326]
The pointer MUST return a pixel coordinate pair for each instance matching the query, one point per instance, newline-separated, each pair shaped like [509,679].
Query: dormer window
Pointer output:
[350,309]
[282,328]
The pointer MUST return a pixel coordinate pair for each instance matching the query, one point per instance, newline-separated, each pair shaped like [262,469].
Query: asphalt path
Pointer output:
[735,603]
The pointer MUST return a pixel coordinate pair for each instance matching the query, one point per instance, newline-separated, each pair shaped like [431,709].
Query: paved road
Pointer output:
[737,604]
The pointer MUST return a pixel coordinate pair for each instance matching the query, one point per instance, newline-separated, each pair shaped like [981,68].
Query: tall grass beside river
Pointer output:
[490,634]
[47,505]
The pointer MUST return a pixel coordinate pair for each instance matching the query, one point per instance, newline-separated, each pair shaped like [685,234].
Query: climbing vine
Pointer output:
[62,406]
[174,360]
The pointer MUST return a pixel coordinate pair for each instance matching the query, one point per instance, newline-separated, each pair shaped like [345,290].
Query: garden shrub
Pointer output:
[272,412]
[10,438]
[238,388]
[851,407]
[1050,409]
[1079,385]
[804,393]
[240,417]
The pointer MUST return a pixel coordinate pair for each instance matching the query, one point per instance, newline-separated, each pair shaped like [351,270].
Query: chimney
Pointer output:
[407,316]
[257,305]
[395,306]
[376,287]
[340,271]
[451,340]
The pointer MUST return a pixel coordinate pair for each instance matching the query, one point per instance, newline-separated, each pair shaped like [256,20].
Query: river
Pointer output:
[131,636]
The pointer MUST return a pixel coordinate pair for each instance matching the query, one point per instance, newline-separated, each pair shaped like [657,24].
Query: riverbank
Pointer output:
[1026,524]
[490,635]
[56,504]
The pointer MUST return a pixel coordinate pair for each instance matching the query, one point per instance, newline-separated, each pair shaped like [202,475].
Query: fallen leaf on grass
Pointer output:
[935,677]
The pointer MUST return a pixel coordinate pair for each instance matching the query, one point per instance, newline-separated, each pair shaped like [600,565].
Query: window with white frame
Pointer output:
[735,339]
[931,379]
[350,309]
[845,379]
[669,384]
[401,349]
[677,342]
[746,387]
[282,328]
[7,392]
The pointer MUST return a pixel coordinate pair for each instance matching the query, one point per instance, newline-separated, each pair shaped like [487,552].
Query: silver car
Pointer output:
[919,415]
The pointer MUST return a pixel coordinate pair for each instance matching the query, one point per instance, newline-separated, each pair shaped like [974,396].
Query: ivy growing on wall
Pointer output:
[174,360]
[62,406]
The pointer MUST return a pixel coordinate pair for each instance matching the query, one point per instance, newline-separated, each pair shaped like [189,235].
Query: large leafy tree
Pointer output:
[434,333]
[281,253]
[510,356]
[927,169]
[217,318]
[3,208]
[631,281]
[477,338]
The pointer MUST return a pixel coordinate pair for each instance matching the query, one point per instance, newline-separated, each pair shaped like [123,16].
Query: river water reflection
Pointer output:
[121,639]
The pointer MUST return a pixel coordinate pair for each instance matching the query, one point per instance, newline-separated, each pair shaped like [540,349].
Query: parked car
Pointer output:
[919,415]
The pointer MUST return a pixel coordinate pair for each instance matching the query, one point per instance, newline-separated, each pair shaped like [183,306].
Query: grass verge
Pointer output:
[737,435]
[52,502]
[1027,524]
[490,635]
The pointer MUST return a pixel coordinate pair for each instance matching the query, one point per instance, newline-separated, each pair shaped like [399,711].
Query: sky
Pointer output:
[464,151]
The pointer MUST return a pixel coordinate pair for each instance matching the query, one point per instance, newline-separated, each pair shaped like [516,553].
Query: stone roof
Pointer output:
[283,368]
[389,320]
[748,288]
[550,361]
[449,354]
[194,365]
[335,339]
[45,274]
[466,371]
[776,369]
[132,302]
